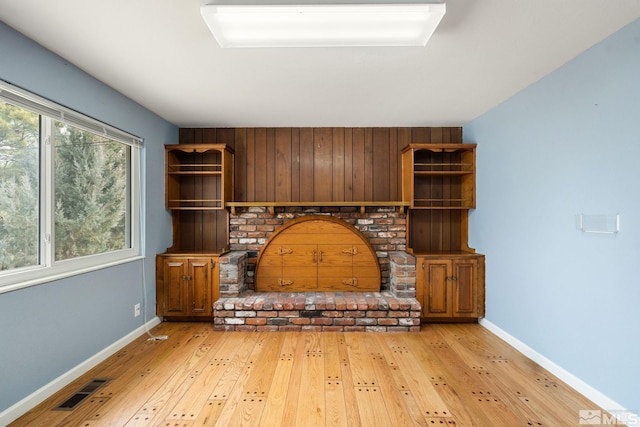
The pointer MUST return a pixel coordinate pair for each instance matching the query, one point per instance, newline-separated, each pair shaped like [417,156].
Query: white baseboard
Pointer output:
[23,406]
[576,383]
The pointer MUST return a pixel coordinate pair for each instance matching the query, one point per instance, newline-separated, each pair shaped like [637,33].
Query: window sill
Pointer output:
[15,282]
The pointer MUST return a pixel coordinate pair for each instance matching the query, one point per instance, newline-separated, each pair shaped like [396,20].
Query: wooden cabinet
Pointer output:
[317,254]
[186,285]
[450,288]
[318,268]
[438,183]
[199,184]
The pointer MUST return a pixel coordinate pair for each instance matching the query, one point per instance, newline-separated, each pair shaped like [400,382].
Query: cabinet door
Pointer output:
[175,289]
[200,286]
[436,294]
[465,288]
[215,281]
[366,272]
[335,268]
[451,288]
[299,268]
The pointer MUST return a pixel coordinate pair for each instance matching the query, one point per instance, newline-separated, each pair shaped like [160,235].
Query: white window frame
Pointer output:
[48,268]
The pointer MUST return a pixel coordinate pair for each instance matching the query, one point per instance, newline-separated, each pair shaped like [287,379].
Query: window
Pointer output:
[69,192]
[90,182]
[19,172]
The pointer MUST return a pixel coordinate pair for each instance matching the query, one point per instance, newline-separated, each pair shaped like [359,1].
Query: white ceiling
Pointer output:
[161,54]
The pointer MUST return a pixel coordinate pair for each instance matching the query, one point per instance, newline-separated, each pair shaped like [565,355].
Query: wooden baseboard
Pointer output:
[597,397]
[23,406]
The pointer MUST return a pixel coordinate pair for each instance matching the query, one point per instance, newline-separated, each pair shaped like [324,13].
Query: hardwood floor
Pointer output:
[445,375]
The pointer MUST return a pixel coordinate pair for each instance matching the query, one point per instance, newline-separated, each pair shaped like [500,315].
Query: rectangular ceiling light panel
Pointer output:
[323,25]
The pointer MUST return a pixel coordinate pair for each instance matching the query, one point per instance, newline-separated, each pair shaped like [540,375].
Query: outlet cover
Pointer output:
[136,310]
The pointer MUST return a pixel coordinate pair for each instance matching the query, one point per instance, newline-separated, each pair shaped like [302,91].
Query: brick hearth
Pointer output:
[310,311]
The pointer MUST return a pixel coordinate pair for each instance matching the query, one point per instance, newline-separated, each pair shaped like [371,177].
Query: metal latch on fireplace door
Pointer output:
[283,251]
[284,283]
[350,282]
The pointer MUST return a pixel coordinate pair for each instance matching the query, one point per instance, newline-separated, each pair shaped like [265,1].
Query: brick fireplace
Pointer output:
[385,228]
[241,308]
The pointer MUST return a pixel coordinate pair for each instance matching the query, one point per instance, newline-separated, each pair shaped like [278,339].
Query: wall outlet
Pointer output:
[136,310]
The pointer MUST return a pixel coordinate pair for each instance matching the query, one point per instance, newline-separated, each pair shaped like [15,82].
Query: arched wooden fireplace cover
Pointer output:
[317,254]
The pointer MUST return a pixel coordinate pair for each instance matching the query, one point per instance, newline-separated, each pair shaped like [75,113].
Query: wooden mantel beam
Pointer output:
[272,205]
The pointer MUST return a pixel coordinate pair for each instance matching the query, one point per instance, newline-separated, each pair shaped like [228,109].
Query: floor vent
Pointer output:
[82,394]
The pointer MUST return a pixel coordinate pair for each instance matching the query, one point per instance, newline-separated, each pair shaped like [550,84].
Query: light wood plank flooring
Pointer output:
[445,375]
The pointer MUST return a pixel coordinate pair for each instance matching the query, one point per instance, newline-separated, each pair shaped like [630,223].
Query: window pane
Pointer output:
[91,190]
[19,187]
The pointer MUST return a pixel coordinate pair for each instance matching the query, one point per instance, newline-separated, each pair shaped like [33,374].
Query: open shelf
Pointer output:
[194,169]
[438,183]
[441,173]
[195,204]
[442,168]
[194,172]
[439,176]
[199,177]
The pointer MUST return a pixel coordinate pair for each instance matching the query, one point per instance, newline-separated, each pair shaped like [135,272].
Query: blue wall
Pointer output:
[48,329]
[568,144]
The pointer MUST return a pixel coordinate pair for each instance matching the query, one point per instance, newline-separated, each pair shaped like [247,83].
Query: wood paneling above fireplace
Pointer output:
[318,164]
